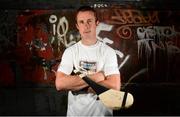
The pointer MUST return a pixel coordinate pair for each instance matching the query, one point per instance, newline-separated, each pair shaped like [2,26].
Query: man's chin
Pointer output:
[87,34]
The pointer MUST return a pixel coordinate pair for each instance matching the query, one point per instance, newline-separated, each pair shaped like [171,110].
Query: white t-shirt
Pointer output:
[98,57]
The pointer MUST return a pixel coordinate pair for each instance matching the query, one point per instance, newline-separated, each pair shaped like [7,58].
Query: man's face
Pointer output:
[86,24]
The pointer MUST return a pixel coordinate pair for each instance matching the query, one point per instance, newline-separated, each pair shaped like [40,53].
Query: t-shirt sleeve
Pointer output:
[66,65]
[111,65]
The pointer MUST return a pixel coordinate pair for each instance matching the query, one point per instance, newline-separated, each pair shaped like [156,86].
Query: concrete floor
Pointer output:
[32,101]
[149,100]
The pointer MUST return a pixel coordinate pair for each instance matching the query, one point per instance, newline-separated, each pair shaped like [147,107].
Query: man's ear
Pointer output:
[97,22]
[77,26]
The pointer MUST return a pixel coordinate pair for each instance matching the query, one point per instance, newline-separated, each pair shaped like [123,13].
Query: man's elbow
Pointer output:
[58,87]
[58,82]
[117,87]
[115,82]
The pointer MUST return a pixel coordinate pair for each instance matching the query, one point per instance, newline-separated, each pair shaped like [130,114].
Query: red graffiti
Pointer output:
[34,48]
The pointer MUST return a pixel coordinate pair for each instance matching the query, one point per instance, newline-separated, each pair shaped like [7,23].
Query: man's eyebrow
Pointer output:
[90,19]
[80,20]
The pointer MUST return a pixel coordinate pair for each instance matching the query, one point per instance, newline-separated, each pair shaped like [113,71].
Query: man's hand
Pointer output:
[97,77]
[90,90]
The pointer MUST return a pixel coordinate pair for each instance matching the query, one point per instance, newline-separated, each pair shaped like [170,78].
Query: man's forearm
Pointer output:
[69,82]
[112,82]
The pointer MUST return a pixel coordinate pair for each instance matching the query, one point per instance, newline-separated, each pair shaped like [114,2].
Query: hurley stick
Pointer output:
[111,98]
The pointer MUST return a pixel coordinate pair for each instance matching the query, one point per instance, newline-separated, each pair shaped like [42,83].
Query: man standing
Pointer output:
[92,55]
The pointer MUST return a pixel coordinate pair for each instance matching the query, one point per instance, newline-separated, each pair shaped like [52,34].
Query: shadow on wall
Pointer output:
[32,101]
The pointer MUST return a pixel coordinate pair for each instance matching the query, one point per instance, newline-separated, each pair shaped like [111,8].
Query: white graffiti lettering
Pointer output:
[153,32]
[106,27]
[152,38]
[60,31]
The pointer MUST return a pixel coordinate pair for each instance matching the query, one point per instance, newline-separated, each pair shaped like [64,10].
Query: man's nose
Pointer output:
[87,25]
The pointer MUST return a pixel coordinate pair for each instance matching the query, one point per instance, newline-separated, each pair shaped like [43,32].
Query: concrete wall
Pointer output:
[33,36]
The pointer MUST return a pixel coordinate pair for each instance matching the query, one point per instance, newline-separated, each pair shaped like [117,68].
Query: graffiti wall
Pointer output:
[145,39]
[146,43]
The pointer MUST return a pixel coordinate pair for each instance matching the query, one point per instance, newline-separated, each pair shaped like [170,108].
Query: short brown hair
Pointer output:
[86,8]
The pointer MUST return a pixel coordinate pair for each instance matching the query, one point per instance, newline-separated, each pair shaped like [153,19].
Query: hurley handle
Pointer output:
[95,86]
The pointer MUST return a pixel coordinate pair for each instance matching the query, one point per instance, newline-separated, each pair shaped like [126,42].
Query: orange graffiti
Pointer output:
[123,16]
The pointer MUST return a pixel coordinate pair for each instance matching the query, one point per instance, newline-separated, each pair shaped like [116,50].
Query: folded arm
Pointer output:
[74,82]
[111,82]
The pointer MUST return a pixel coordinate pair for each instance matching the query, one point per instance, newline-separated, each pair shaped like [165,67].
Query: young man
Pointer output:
[90,54]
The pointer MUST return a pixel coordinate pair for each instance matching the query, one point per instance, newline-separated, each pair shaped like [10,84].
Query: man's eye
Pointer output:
[81,22]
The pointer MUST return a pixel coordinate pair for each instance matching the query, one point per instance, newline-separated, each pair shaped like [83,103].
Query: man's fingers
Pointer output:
[90,90]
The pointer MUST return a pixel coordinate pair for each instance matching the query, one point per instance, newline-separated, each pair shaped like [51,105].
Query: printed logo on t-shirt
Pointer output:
[90,66]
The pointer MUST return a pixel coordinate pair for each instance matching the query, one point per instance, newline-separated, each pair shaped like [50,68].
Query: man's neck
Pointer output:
[88,42]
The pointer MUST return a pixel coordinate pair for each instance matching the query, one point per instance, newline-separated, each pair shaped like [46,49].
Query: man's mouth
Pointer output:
[87,31]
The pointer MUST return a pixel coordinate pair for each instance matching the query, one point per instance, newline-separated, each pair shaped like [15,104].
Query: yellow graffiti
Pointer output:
[133,17]
[130,18]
